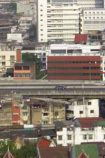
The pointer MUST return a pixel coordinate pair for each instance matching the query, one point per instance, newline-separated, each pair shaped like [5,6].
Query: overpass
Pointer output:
[45,88]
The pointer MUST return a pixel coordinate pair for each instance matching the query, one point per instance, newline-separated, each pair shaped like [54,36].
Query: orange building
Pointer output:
[24,71]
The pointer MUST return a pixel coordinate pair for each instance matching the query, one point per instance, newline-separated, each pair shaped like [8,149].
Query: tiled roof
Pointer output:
[90,150]
[83,155]
[100,123]
[43,142]
[89,122]
[8,154]
[55,152]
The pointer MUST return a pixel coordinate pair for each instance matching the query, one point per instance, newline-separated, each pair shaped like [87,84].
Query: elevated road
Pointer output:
[53,88]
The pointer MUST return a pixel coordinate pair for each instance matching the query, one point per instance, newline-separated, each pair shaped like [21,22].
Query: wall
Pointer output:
[74,67]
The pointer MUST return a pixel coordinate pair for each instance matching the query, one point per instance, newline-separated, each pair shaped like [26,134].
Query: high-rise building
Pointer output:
[57,20]
[93,20]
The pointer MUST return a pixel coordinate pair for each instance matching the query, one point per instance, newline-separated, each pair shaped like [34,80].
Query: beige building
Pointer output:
[45,113]
[6,114]
[25,114]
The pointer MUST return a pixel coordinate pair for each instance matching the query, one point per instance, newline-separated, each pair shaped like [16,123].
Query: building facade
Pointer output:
[74,67]
[8,58]
[92,20]
[46,112]
[5,110]
[103,67]
[91,3]
[70,49]
[24,71]
[82,133]
[15,113]
[57,22]
[83,108]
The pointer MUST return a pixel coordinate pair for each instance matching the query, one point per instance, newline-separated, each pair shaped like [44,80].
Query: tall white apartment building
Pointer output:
[93,20]
[57,21]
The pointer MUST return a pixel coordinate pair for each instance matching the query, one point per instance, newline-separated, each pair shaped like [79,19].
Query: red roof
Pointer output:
[82,155]
[55,152]
[43,142]
[88,122]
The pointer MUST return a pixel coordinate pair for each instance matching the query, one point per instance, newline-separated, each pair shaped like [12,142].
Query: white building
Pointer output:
[8,58]
[83,108]
[57,21]
[91,3]
[93,20]
[72,49]
[14,37]
[82,134]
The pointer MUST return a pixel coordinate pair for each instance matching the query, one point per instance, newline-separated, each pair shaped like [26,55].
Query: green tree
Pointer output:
[26,151]
[32,58]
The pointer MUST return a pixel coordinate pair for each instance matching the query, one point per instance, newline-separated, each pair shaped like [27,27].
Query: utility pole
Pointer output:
[73,144]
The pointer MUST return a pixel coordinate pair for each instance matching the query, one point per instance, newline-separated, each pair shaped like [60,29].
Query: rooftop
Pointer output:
[55,152]
[89,122]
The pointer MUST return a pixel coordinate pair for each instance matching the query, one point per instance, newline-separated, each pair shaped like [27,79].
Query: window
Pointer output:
[84,136]
[25,113]
[71,112]
[56,113]
[3,57]
[92,111]
[3,63]
[59,137]
[18,68]
[27,75]
[12,58]
[45,122]
[90,136]
[89,103]
[69,137]
[12,63]
[81,112]
[45,114]
[26,67]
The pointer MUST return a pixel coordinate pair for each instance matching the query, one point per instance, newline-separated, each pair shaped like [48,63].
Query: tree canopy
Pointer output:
[28,150]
